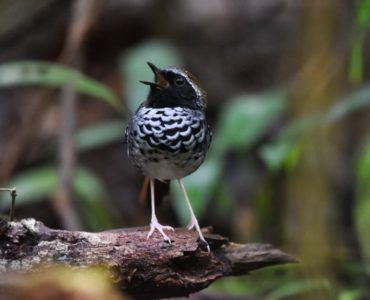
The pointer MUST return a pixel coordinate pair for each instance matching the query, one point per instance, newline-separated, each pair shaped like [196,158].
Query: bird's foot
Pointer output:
[155,225]
[194,224]
[203,241]
[191,224]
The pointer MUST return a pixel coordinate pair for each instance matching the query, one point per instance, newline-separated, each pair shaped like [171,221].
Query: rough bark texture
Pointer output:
[143,268]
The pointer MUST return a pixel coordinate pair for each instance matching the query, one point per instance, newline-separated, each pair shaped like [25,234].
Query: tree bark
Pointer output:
[144,268]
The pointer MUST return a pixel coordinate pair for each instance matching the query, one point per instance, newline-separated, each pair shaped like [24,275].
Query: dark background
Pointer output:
[288,99]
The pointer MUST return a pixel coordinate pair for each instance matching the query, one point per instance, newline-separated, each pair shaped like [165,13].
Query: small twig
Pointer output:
[13,195]
[63,198]
[84,14]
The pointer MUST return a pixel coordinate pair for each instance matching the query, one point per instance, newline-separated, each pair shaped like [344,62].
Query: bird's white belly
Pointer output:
[165,170]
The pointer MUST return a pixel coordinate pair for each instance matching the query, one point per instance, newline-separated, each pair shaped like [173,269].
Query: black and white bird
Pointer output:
[168,136]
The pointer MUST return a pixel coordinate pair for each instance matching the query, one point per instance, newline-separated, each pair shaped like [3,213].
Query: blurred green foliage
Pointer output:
[284,151]
[354,294]
[362,206]
[294,288]
[362,20]
[274,283]
[40,183]
[41,73]
[245,121]
[99,135]
[246,117]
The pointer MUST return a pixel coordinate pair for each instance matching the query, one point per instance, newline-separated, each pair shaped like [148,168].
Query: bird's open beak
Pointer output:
[160,80]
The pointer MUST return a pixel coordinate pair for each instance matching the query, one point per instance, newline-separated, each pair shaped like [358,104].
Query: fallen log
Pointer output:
[141,267]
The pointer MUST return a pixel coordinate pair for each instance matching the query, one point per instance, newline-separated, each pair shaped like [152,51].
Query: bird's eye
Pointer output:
[179,81]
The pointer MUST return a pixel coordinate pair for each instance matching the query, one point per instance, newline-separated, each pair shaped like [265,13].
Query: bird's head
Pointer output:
[175,87]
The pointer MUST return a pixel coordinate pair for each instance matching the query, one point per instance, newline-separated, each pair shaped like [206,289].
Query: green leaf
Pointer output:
[353,294]
[274,154]
[283,154]
[285,151]
[33,185]
[362,15]
[38,183]
[100,135]
[41,73]
[134,68]
[362,19]
[245,119]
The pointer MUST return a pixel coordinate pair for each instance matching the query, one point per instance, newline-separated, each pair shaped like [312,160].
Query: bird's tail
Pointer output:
[161,189]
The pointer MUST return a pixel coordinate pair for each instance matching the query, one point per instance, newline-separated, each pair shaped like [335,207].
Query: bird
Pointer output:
[168,136]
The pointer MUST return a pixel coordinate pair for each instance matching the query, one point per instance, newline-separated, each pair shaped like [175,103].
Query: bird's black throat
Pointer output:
[169,97]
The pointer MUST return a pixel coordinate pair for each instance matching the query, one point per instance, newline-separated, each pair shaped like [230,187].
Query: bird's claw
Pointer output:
[194,224]
[205,243]
[155,225]
[191,225]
